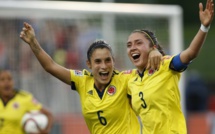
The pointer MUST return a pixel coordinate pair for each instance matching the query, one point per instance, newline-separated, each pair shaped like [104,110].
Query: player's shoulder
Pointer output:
[24,93]
[128,72]
[87,73]
[81,73]
[125,73]
[167,59]
[26,97]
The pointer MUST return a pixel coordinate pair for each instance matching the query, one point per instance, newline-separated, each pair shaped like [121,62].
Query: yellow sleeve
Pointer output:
[77,78]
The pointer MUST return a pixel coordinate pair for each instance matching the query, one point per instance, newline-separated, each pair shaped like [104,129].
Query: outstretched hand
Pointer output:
[27,34]
[206,16]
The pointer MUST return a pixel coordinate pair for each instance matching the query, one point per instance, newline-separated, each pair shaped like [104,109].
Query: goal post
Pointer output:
[59,9]
[110,21]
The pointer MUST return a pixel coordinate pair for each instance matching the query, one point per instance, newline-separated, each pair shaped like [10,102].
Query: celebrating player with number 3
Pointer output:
[155,94]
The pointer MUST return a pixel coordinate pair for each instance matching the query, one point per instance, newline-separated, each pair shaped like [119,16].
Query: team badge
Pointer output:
[111,90]
[78,73]
[16,105]
[151,71]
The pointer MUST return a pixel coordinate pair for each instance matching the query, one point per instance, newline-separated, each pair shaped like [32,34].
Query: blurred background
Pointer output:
[66,40]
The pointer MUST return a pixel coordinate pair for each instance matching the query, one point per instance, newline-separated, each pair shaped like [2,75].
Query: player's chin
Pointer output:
[136,63]
[105,81]
[7,92]
[139,64]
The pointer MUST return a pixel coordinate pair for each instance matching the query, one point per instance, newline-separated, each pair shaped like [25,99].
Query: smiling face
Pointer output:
[138,48]
[102,65]
[6,84]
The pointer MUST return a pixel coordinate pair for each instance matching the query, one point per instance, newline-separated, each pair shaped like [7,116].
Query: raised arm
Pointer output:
[206,17]
[28,35]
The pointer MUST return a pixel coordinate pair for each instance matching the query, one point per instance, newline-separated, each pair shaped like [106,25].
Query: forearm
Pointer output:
[206,17]
[27,34]
[50,119]
[195,46]
[49,64]
[44,59]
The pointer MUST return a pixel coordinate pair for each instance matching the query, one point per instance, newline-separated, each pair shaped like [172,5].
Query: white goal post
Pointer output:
[57,9]
[63,9]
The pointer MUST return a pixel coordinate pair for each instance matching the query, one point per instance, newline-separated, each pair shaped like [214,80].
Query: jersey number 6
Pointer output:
[102,120]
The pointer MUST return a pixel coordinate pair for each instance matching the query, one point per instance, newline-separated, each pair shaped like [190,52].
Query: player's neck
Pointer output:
[7,98]
[101,87]
[141,72]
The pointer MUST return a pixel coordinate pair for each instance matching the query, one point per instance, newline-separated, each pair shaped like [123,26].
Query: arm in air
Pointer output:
[28,35]
[206,16]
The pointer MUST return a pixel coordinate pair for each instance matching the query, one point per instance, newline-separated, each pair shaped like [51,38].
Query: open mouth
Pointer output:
[135,56]
[7,88]
[104,74]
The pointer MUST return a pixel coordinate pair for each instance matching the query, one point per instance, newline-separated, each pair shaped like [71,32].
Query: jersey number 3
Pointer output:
[144,105]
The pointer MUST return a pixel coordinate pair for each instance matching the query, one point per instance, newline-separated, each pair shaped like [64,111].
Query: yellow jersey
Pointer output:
[156,99]
[11,114]
[110,113]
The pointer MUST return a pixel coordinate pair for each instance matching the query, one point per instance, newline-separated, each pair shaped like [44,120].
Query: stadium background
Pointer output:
[56,37]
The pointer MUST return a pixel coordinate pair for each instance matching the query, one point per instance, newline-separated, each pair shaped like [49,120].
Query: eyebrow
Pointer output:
[134,41]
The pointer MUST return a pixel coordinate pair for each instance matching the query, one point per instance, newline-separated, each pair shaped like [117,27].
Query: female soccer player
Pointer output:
[14,104]
[155,94]
[103,92]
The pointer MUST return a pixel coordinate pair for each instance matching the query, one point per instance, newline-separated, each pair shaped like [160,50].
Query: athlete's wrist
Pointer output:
[204,28]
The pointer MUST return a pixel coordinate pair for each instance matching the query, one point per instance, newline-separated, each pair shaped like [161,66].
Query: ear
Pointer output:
[88,64]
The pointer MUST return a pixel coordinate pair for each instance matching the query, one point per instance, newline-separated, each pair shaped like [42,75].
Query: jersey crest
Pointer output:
[151,71]
[111,90]
[15,105]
